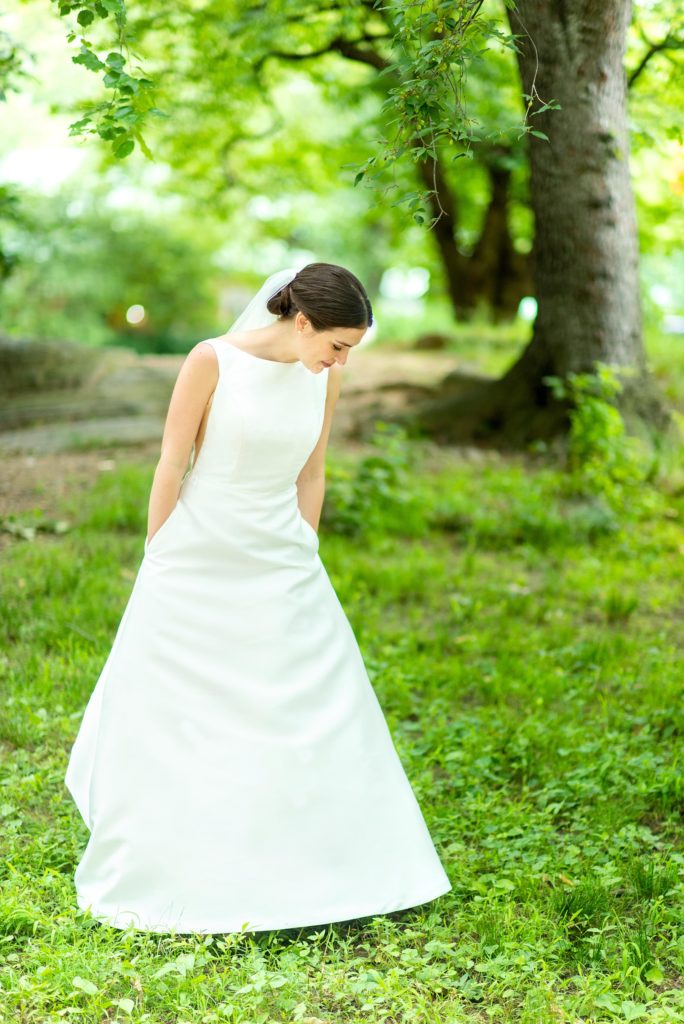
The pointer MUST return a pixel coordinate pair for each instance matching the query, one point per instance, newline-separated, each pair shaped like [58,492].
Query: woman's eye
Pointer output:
[338,348]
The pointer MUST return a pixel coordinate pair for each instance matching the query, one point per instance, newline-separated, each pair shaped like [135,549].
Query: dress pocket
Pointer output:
[311,533]
[151,545]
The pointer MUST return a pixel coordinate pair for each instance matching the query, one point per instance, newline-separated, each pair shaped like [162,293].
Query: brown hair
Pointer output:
[328,295]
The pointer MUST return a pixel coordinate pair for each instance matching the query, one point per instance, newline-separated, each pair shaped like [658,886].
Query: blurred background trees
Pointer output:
[285,132]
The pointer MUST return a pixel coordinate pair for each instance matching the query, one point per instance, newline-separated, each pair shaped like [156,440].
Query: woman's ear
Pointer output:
[302,321]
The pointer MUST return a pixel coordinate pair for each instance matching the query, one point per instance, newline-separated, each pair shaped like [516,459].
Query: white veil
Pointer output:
[255,313]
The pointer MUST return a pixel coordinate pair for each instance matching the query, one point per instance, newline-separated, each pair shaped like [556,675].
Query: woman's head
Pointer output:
[329,296]
[329,306]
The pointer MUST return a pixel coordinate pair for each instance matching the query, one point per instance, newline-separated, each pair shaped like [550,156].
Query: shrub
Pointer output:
[602,459]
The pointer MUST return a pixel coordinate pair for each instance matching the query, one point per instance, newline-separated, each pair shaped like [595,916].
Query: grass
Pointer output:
[525,645]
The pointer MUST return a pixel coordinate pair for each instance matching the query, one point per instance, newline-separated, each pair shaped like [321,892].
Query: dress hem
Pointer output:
[270,927]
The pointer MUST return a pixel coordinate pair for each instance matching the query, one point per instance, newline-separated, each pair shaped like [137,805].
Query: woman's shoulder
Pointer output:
[204,361]
[208,350]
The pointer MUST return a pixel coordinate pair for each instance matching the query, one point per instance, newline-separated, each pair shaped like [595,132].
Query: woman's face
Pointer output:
[323,348]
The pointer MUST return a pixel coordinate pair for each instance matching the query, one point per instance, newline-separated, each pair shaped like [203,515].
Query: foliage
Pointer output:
[269,63]
[79,264]
[13,65]
[429,50]
[655,61]
[11,218]
[435,44]
[120,118]
[602,459]
[655,78]
[376,494]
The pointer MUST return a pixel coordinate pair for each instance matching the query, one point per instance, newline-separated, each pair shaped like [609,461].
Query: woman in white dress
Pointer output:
[233,764]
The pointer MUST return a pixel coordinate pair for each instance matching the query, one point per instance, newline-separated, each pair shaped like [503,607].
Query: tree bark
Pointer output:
[494,275]
[585,253]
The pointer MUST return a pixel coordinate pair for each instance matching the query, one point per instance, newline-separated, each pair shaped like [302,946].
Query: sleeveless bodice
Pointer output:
[239,503]
[264,420]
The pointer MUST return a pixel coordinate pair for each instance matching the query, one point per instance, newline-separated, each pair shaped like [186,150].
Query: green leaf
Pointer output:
[115,60]
[127,1005]
[123,149]
[85,985]
[540,135]
[631,1010]
[77,126]
[89,59]
[85,17]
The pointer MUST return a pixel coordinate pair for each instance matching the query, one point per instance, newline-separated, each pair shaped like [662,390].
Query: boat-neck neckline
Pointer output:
[262,359]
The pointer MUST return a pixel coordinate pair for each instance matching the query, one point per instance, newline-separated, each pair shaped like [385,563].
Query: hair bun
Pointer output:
[328,295]
[281,303]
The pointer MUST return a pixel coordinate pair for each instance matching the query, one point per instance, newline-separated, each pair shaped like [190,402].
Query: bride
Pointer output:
[233,765]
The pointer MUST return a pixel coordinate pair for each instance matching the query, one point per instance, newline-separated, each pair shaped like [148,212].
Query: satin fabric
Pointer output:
[233,764]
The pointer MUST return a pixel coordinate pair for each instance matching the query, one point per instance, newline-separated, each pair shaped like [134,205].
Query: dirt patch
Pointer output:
[31,483]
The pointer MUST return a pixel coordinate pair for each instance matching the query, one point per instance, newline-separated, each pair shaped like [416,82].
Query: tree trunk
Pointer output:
[585,253]
[494,275]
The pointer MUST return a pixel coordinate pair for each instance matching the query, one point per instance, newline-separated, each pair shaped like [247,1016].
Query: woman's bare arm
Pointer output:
[196,381]
[311,479]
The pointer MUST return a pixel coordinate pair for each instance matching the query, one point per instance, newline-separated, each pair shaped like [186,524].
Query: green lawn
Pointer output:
[525,643]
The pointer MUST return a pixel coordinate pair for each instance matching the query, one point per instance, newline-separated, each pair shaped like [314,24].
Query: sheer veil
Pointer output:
[255,314]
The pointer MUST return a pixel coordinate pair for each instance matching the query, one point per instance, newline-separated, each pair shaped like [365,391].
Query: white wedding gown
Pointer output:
[233,764]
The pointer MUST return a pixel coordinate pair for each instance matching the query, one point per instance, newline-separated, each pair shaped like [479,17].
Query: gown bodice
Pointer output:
[264,420]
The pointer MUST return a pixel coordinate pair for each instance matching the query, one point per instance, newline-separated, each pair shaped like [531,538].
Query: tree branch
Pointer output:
[348,48]
[670,42]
